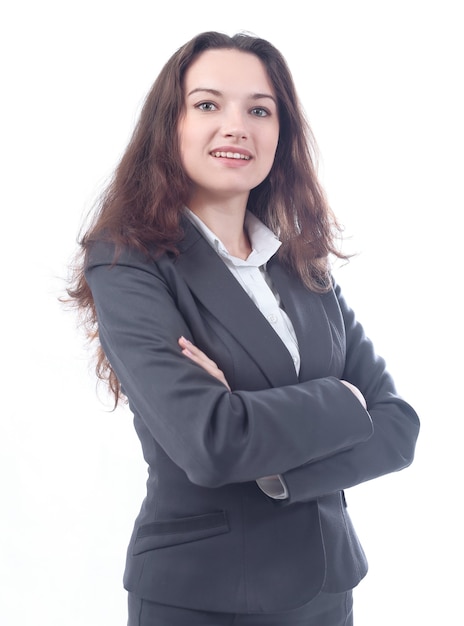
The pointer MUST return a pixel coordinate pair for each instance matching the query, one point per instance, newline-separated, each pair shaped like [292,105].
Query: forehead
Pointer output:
[228,70]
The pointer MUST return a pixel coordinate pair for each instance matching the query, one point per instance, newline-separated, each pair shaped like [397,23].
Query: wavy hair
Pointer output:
[142,205]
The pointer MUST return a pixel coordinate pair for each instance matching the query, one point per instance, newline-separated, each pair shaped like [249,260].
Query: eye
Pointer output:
[206,106]
[259,112]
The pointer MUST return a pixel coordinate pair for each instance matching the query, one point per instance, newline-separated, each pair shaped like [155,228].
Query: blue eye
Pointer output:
[206,106]
[259,112]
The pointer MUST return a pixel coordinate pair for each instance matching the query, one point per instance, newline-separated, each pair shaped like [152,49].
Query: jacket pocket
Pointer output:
[164,533]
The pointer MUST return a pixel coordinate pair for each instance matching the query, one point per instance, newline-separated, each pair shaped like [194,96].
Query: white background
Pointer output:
[382,86]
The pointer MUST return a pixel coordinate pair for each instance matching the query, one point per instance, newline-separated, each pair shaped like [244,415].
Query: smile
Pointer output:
[230,155]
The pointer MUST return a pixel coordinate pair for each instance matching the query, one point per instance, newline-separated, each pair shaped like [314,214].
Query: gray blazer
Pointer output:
[207,537]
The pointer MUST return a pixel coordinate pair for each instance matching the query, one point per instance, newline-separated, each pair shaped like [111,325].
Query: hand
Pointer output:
[356,392]
[200,358]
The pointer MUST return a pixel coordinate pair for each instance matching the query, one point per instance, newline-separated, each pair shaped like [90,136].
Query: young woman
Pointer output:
[256,395]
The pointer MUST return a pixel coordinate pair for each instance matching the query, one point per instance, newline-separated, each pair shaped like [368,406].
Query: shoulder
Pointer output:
[105,251]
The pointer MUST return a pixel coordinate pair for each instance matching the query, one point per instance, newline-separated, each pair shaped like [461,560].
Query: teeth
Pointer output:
[231,155]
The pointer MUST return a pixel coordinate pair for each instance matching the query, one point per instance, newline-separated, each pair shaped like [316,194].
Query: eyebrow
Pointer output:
[215,92]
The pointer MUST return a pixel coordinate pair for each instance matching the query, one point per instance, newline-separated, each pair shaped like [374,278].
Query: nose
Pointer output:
[234,124]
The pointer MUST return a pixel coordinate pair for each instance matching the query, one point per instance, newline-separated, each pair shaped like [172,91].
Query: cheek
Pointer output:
[272,146]
[273,140]
[184,134]
[276,138]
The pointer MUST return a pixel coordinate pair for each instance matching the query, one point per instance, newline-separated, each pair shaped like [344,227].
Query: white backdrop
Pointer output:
[382,85]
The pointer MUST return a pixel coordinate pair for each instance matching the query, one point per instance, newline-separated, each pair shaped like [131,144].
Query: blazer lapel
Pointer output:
[218,290]
[309,320]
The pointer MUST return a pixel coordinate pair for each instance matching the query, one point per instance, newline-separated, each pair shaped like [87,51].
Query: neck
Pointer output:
[226,221]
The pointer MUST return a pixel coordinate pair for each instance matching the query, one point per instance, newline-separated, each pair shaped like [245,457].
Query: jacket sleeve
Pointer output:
[396,425]
[216,436]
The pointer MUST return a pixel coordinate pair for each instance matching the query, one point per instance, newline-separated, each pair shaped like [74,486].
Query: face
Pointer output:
[229,130]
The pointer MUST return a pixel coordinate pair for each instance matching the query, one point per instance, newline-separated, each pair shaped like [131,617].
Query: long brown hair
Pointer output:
[142,205]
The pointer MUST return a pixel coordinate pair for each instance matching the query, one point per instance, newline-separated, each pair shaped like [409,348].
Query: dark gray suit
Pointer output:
[207,537]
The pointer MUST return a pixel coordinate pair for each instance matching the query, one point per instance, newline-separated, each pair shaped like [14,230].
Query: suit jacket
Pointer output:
[207,537]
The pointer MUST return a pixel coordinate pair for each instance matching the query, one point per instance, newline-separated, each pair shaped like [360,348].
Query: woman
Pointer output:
[256,395]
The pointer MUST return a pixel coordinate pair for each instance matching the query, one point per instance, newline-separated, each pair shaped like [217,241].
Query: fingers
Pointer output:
[194,353]
[197,356]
